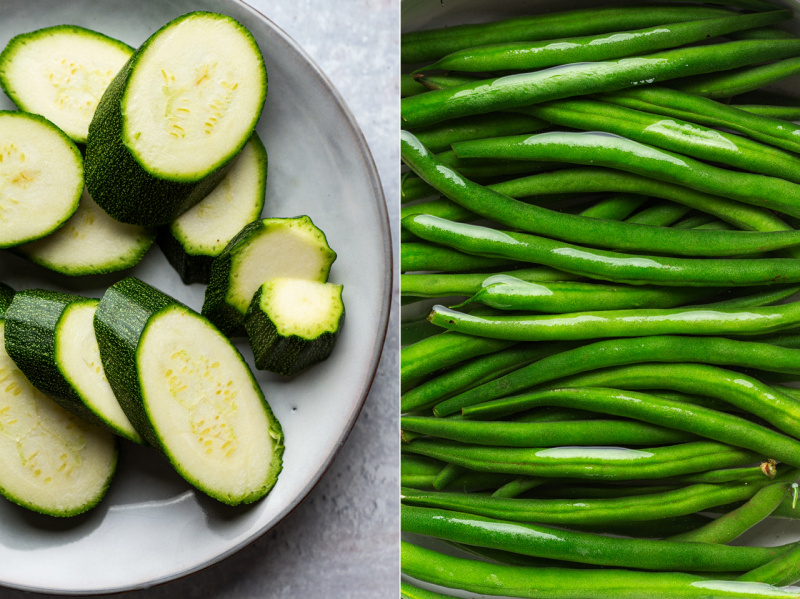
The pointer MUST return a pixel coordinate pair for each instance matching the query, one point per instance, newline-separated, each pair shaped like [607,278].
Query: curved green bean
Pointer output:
[784,113]
[600,264]
[466,284]
[783,570]
[416,256]
[523,89]
[739,81]
[582,547]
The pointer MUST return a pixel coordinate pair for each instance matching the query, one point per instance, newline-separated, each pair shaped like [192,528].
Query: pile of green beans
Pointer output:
[600,258]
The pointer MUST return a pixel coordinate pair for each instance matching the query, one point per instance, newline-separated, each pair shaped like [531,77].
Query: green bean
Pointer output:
[523,89]
[427,256]
[784,113]
[660,214]
[417,471]
[409,591]
[552,415]
[553,434]
[621,352]
[441,351]
[515,559]
[477,371]
[624,154]
[595,179]
[432,44]
[704,111]
[692,221]
[605,463]
[768,468]
[783,570]
[703,422]
[599,264]
[740,81]
[754,300]
[546,542]
[762,33]
[466,284]
[678,135]
[575,228]
[447,476]
[733,524]
[437,138]
[518,486]
[506,292]
[442,208]
[588,510]
[410,87]
[565,583]
[527,56]
[416,329]
[617,207]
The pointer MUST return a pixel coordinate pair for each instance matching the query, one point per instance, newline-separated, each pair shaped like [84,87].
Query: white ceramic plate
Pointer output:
[152,527]
[429,14]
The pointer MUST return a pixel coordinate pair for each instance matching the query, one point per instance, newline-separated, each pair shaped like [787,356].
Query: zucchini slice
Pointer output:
[189,392]
[41,177]
[53,462]
[61,72]
[265,249]
[50,337]
[90,243]
[293,324]
[173,119]
[200,234]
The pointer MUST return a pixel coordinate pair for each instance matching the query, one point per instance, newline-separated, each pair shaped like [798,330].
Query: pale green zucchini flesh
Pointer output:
[61,72]
[173,119]
[293,324]
[41,178]
[50,336]
[53,462]
[199,235]
[89,243]
[189,392]
[266,249]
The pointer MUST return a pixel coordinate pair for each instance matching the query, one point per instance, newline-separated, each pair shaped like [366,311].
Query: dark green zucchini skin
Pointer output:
[119,184]
[192,268]
[6,295]
[122,315]
[226,318]
[286,355]
[31,322]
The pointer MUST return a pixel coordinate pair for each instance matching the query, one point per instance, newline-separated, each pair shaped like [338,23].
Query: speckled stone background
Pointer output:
[342,542]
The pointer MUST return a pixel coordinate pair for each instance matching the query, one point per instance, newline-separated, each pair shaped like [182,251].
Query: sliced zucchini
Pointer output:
[50,337]
[6,295]
[53,462]
[41,178]
[173,119]
[293,324]
[61,72]
[90,243]
[265,249]
[200,234]
[188,391]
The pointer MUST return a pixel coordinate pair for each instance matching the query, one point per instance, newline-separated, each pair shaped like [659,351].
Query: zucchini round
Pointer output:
[53,462]
[189,392]
[173,119]
[293,324]
[265,249]
[60,72]
[199,235]
[42,171]
[50,337]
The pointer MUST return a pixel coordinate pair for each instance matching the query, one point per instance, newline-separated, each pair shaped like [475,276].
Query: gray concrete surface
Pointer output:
[342,542]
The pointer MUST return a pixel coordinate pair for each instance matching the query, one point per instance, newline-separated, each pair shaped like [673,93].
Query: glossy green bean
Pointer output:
[705,111]
[600,264]
[416,256]
[576,228]
[546,542]
[784,113]
[601,463]
[527,56]
[441,351]
[506,292]
[697,420]
[621,352]
[739,81]
[466,284]
[603,431]
[628,155]
[474,372]
[432,44]
[585,509]
[437,138]
[565,583]
[523,89]
[730,526]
